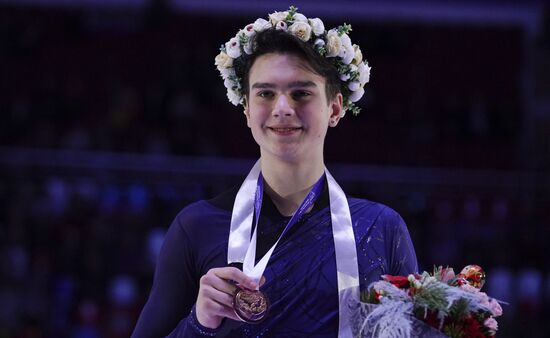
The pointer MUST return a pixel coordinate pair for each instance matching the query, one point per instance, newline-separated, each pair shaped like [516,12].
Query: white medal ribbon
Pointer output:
[242,248]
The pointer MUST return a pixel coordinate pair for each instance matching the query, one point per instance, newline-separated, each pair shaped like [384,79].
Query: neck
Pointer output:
[289,183]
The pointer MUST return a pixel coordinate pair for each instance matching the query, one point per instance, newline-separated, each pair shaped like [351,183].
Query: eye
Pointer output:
[266,94]
[300,94]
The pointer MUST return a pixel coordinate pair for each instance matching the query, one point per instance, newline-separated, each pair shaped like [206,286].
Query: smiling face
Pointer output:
[287,108]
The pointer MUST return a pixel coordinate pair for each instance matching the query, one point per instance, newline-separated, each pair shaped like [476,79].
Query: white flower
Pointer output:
[347,54]
[301,29]
[319,43]
[227,72]
[334,44]
[281,25]
[299,18]
[354,85]
[346,41]
[248,48]
[364,72]
[261,25]
[310,30]
[354,97]
[248,30]
[223,61]
[233,48]
[358,57]
[317,26]
[228,83]
[491,324]
[233,97]
[277,17]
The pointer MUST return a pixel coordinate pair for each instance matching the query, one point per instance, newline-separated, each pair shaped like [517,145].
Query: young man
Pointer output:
[288,253]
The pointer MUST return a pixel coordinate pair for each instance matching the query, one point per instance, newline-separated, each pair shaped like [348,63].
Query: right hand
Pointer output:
[215,299]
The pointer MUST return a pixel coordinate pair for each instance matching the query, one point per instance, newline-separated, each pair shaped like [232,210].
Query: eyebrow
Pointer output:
[295,84]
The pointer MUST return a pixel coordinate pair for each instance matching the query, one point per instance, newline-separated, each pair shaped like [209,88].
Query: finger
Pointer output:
[220,304]
[220,297]
[212,280]
[217,309]
[236,275]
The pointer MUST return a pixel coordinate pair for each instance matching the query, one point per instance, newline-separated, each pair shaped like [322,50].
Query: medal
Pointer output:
[250,306]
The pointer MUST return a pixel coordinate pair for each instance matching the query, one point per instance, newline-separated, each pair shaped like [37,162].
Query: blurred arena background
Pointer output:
[113,118]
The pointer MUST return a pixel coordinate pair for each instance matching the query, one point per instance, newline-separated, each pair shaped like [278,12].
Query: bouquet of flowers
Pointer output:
[451,304]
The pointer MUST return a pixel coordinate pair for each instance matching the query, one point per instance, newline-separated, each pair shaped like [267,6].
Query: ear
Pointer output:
[336,110]
[246,112]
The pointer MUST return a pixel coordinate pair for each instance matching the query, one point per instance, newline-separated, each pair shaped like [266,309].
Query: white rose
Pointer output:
[301,30]
[261,25]
[317,26]
[227,72]
[223,60]
[319,43]
[248,47]
[344,77]
[233,48]
[356,95]
[346,41]
[364,72]
[233,97]
[281,25]
[347,51]
[229,84]
[347,54]
[354,85]
[358,57]
[248,30]
[299,18]
[334,44]
[277,17]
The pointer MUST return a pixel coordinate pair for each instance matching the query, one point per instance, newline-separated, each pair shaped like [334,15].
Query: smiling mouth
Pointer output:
[284,130]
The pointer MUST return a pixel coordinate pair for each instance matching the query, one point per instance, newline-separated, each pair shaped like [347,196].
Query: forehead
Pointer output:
[274,67]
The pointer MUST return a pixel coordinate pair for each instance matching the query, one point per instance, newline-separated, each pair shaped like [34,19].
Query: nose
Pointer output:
[282,107]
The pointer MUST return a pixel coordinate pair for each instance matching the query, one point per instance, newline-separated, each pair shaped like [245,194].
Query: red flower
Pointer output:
[401,282]
[472,328]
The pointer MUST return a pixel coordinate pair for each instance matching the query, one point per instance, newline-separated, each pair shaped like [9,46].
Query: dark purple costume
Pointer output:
[300,276]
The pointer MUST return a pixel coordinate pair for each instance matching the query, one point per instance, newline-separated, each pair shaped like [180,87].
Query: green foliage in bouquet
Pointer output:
[452,304]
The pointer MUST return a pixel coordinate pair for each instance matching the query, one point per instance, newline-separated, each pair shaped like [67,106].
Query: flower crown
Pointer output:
[335,45]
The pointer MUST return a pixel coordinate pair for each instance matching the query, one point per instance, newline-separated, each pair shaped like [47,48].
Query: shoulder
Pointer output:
[382,236]
[371,218]
[364,209]
[206,213]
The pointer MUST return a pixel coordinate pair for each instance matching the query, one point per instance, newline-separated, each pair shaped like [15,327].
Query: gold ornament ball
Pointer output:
[474,275]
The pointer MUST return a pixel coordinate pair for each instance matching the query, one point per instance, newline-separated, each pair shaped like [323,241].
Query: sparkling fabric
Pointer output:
[300,277]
